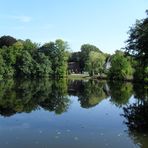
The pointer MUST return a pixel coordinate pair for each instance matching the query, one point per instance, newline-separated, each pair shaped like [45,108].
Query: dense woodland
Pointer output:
[23,58]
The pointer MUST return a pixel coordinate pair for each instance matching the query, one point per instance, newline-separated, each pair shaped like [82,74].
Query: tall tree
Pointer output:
[95,63]
[56,51]
[85,51]
[120,67]
[137,46]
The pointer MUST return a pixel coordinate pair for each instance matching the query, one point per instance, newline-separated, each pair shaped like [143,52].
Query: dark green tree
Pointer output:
[7,41]
[137,46]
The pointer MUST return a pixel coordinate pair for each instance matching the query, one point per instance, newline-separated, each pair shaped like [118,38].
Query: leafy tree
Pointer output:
[1,65]
[24,64]
[9,71]
[29,46]
[7,41]
[95,63]
[137,46]
[85,51]
[56,51]
[120,67]
[42,65]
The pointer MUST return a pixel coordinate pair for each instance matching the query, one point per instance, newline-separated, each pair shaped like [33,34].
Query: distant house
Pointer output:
[107,64]
[74,67]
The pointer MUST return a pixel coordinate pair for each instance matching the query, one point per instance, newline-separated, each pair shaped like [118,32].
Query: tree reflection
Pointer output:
[76,87]
[17,96]
[59,100]
[120,92]
[92,94]
[26,96]
[136,116]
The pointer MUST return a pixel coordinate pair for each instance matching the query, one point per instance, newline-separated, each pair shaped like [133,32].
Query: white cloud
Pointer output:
[20,18]
[24,19]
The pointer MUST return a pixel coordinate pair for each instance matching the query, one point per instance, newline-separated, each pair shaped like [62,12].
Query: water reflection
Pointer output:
[26,96]
[122,104]
[136,115]
[120,93]
[92,94]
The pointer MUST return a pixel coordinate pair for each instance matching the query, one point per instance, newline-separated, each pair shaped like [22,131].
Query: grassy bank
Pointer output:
[78,76]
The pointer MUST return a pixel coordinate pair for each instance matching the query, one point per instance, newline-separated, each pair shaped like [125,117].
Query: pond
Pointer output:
[73,113]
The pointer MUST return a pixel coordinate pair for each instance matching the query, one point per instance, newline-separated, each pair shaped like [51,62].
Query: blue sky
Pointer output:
[103,23]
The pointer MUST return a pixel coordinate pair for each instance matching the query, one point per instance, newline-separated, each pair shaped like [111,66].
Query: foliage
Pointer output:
[56,51]
[137,46]
[24,64]
[1,65]
[85,51]
[29,46]
[7,41]
[42,65]
[120,67]
[95,63]
[25,58]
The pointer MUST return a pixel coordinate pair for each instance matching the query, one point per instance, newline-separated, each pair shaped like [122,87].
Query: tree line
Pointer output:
[19,58]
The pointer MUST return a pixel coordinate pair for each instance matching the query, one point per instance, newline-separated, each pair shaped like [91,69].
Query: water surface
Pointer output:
[69,113]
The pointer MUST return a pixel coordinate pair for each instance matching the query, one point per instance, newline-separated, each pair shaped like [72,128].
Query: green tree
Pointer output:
[30,46]
[137,46]
[42,65]
[95,63]
[120,67]
[56,51]
[24,64]
[1,65]
[85,51]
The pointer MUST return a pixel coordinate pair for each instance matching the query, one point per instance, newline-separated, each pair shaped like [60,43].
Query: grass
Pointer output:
[78,76]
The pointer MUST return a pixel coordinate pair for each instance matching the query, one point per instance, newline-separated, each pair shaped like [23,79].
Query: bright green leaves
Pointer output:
[120,67]
[95,63]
